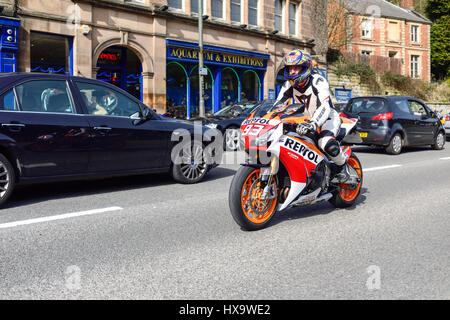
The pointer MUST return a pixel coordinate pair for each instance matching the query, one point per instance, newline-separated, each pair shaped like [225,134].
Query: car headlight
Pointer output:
[211,125]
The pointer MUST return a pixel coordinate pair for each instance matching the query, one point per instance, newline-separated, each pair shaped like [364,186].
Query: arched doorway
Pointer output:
[230,87]
[251,85]
[177,94]
[208,92]
[280,80]
[121,67]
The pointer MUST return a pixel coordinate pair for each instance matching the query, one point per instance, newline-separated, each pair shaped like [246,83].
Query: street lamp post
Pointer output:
[200,58]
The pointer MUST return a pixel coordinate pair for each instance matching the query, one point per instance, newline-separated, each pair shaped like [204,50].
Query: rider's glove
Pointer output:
[304,128]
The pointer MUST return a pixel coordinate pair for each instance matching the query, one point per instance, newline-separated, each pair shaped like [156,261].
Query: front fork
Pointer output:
[267,176]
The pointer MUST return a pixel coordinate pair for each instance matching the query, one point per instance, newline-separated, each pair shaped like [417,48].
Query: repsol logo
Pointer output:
[301,149]
[257,120]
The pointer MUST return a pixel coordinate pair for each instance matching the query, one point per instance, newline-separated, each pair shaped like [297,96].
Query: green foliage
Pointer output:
[406,86]
[440,47]
[437,9]
[344,67]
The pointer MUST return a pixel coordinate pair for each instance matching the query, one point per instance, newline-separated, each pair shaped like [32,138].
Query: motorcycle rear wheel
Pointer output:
[244,198]
[344,197]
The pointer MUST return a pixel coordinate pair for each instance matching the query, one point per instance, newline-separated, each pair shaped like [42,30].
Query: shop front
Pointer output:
[233,76]
[9,44]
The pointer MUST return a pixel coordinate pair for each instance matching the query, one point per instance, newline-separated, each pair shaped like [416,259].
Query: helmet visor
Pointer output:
[292,72]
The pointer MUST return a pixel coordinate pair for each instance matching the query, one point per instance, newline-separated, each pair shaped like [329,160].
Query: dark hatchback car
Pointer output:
[394,122]
[228,121]
[56,127]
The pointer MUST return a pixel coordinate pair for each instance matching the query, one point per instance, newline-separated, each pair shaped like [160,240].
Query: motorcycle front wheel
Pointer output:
[247,208]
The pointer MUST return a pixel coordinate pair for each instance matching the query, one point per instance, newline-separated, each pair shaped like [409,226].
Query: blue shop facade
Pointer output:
[9,44]
[232,76]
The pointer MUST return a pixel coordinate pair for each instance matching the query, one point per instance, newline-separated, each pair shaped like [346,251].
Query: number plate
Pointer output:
[363,134]
[265,171]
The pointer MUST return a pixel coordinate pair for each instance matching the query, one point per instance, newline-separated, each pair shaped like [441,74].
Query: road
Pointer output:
[159,240]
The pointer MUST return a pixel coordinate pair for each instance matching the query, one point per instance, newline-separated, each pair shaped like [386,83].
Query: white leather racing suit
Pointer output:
[316,97]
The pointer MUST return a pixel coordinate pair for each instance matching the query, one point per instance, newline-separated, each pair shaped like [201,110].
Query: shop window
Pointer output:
[250,86]
[235,10]
[121,67]
[50,53]
[217,8]
[45,96]
[229,87]
[176,90]
[253,12]
[101,100]
[207,93]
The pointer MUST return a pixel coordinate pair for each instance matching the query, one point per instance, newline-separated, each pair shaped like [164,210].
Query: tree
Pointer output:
[437,8]
[439,12]
[440,47]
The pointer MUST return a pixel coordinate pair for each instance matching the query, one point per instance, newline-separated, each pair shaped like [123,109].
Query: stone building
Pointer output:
[150,47]
[380,28]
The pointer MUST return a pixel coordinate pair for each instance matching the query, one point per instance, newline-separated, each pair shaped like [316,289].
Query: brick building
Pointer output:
[380,28]
[150,47]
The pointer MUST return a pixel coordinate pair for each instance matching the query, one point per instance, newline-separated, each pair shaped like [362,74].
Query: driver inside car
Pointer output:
[309,88]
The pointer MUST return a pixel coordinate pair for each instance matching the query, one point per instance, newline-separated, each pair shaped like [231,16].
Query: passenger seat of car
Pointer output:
[59,103]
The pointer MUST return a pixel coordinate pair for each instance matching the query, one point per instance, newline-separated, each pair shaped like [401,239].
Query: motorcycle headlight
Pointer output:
[264,138]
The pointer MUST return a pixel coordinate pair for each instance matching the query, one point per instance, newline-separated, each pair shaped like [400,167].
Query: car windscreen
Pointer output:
[228,111]
[366,105]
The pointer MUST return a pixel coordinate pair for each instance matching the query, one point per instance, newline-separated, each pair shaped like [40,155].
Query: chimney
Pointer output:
[407,4]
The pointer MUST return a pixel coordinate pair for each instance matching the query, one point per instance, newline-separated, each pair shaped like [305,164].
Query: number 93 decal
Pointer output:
[253,130]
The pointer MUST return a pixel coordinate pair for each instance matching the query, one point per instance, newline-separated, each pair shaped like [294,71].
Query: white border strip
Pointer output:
[58,217]
[448,158]
[382,168]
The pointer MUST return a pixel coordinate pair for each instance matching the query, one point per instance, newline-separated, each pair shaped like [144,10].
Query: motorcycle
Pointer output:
[285,170]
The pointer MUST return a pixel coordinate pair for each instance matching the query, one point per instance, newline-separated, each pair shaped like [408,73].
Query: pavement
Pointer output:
[146,237]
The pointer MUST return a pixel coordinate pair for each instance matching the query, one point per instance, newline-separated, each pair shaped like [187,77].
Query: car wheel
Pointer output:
[189,164]
[7,179]
[396,144]
[439,142]
[232,141]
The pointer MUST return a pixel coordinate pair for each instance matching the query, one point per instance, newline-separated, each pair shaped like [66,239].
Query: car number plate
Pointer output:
[363,134]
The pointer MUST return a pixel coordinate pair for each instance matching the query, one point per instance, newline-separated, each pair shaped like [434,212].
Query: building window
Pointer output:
[415,34]
[393,54]
[366,52]
[50,53]
[292,15]
[366,28]
[415,66]
[279,15]
[217,8]
[394,31]
[176,4]
[235,10]
[194,6]
[253,12]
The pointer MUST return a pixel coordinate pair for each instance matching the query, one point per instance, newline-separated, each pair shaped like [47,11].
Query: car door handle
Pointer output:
[102,128]
[13,125]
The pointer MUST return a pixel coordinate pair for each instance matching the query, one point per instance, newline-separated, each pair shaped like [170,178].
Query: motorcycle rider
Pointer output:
[308,87]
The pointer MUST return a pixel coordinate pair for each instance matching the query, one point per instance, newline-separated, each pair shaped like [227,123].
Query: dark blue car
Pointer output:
[56,127]
[394,122]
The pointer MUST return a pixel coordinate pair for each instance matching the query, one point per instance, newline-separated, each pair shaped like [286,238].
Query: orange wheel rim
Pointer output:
[251,197]
[344,190]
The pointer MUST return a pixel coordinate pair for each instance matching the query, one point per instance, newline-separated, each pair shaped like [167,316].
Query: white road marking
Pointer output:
[382,168]
[448,158]
[58,217]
